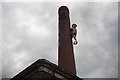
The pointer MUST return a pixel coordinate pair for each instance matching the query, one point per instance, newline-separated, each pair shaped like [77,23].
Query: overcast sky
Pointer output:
[30,32]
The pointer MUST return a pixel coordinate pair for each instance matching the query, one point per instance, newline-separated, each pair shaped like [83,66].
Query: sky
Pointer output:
[30,32]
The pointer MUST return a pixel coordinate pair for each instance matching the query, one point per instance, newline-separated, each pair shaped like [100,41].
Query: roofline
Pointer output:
[43,62]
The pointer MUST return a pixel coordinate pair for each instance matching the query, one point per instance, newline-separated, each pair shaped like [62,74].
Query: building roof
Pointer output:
[43,68]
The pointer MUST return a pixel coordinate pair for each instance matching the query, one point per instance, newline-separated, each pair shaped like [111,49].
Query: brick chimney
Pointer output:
[65,50]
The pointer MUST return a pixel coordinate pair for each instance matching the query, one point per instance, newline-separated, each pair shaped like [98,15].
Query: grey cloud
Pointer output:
[119,39]
[101,79]
[0,41]
[104,51]
[96,53]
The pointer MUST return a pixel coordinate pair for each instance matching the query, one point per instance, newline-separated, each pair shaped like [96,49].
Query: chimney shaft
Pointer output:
[65,50]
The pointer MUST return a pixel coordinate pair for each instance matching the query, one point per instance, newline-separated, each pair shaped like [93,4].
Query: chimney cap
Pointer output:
[63,9]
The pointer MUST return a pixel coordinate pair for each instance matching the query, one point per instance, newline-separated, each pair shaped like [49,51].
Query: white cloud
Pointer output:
[0,40]
[29,23]
[60,0]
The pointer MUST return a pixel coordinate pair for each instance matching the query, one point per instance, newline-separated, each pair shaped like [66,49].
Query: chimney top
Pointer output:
[63,9]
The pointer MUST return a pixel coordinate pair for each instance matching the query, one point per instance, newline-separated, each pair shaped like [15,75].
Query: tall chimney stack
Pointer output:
[65,50]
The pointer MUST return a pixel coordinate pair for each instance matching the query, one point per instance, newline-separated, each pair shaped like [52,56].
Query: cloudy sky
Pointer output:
[30,32]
